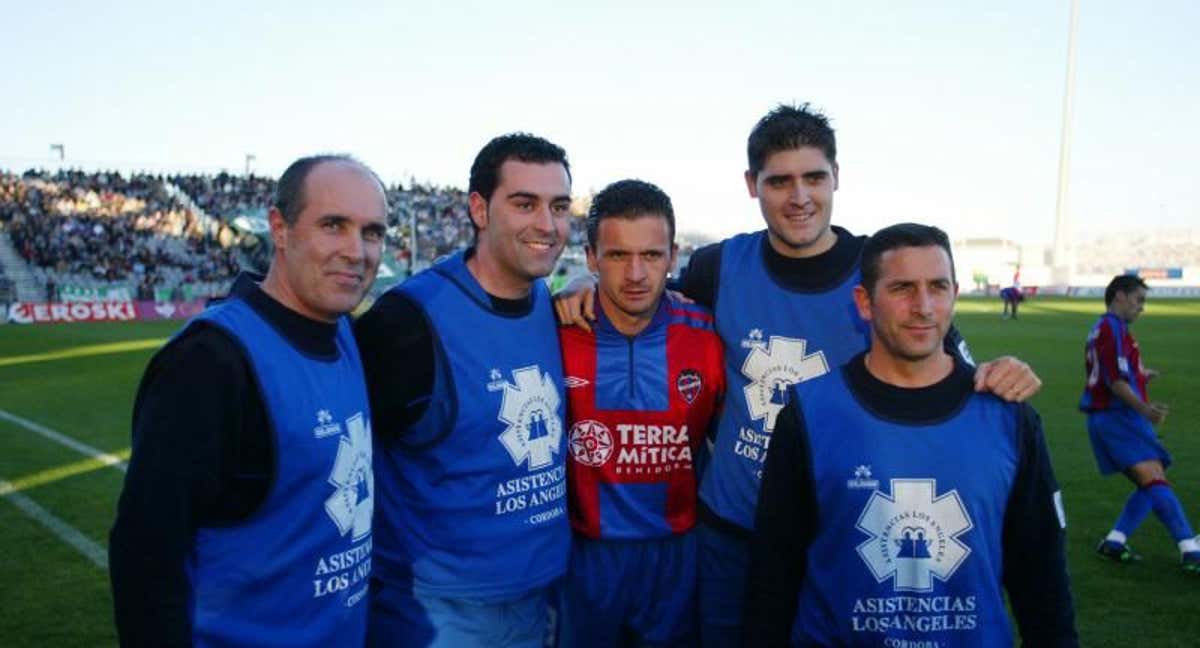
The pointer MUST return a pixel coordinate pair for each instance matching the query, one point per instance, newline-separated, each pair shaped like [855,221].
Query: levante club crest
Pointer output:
[689,385]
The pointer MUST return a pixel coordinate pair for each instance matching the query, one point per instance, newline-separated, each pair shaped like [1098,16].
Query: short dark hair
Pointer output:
[1123,283]
[789,127]
[289,191]
[900,236]
[629,199]
[485,171]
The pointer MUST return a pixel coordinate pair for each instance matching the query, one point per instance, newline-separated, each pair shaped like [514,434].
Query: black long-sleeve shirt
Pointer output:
[203,456]
[787,521]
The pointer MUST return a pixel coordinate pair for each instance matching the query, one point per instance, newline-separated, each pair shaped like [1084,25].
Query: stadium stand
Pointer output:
[99,231]
[73,234]
[1107,254]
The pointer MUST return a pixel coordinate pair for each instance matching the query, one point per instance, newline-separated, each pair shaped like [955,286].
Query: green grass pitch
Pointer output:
[79,380]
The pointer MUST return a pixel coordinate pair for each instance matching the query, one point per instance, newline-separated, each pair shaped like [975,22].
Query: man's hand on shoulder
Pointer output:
[678,297]
[575,304]
[1008,378]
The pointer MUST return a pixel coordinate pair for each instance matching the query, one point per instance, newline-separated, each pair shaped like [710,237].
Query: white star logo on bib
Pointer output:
[530,409]
[914,535]
[353,500]
[771,371]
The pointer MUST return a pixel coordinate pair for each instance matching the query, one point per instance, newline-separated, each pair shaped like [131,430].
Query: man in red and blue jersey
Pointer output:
[642,388]
[1120,420]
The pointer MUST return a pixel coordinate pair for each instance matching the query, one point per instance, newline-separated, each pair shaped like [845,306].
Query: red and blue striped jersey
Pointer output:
[639,407]
[1111,354]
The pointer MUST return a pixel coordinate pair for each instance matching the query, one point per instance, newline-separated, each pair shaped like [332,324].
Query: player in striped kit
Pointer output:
[642,387]
[1120,420]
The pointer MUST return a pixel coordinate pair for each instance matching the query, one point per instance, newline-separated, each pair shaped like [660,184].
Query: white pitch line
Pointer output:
[62,439]
[65,532]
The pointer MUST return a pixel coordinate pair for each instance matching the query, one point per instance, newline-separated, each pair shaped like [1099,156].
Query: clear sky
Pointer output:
[947,112]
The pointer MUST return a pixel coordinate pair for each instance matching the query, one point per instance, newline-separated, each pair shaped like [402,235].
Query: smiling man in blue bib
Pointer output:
[463,362]
[246,515]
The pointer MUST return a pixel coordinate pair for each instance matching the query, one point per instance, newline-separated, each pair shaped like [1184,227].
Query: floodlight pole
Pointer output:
[250,159]
[1063,254]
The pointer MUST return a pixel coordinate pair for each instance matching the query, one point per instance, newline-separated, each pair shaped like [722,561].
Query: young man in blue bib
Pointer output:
[897,502]
[783,306]
[462,361]
[246,515]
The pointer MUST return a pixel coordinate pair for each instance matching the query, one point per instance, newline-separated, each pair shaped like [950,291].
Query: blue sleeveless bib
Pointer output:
[473,498]
[295,573]
[910,521]
[774,337]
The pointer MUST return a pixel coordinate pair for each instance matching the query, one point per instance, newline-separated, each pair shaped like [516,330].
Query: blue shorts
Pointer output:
[1121,438]
[631,592]
[724,561]
[401,619]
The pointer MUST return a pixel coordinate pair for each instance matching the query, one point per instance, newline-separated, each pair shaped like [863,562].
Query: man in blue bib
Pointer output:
[897,502]
[463,363]
[246,515]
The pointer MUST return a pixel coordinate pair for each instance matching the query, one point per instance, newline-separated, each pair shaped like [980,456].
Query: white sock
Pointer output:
[1118,537]
[1191,544]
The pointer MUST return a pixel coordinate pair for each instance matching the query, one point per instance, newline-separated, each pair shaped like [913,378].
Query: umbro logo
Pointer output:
[573,382]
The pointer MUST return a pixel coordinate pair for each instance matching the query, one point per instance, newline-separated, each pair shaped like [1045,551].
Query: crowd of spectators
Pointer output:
[438,214]
[441,221]
[95,229]
[152,234]
[227,196]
